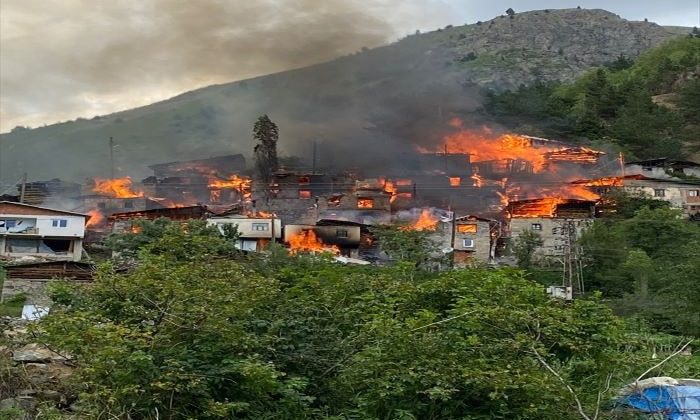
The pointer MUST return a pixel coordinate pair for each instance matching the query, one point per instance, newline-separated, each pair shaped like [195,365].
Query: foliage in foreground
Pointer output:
[213,337]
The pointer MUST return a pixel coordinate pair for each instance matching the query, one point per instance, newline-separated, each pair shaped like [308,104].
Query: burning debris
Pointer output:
[426,221]
[307,241]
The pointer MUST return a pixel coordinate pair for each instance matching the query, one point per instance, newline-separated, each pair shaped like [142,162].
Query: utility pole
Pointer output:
[111,158]
[23,188]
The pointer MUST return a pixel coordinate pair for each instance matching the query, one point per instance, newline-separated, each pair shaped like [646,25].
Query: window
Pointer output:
[365,203]
[304,194]
[59,222]
[101,205]
[128,204]
[468,243]
[304,180]
[536,226]
[455,181]
[693,193]
[10,224]
[341,233]
[261,226]
[660,192]
[467,228]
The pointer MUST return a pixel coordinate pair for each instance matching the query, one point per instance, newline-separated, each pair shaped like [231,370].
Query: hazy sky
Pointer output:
[61,59]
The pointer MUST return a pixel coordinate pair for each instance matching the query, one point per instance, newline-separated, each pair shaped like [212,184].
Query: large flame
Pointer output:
[483,145]
[426,221]
[307,241]
[116,188]
[96,218]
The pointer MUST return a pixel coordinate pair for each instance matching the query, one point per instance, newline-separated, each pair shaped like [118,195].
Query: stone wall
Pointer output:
[34,289]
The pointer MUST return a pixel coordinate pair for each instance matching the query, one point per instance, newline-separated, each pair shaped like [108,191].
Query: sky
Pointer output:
[63,59]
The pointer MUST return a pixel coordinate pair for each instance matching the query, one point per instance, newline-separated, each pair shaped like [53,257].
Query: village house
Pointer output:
[663,168]
[558,222]
[255,233]
[32,231]
[684,195]
[474,240]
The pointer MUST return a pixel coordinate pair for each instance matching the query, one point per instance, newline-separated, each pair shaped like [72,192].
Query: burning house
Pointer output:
[339,239]
[559,222]
[28,231]
[215,180]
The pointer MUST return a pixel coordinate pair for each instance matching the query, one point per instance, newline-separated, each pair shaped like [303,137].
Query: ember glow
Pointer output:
[307,241]
[477,180]
[116,188]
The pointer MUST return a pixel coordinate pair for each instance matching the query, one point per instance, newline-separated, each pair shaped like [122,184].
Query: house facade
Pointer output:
[32,231]
[684,195]
[474,239]
[254,233]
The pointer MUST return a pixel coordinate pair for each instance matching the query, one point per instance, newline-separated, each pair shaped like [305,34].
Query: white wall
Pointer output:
[75,225]
[245,226]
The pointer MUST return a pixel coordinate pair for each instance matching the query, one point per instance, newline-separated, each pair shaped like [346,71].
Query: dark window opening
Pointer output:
[101,205]
[57,245]
[536,226]
[128,204]
[341,233]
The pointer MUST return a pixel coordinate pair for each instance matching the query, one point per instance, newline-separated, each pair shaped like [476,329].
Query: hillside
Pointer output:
[358,107]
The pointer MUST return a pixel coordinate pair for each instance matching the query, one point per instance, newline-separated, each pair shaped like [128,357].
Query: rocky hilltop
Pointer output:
[354,106]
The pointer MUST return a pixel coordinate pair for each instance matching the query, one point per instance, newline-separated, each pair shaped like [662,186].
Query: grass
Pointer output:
[12,306]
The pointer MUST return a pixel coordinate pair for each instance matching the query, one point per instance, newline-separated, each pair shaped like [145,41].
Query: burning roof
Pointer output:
[550,207]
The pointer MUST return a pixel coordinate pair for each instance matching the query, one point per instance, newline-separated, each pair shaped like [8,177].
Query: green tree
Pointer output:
[525,247]
[265,134]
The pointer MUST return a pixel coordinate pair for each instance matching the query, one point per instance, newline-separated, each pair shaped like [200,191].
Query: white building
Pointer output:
[32,231]
[255,233]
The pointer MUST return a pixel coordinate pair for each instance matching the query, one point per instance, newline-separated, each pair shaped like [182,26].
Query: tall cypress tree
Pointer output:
[266,134]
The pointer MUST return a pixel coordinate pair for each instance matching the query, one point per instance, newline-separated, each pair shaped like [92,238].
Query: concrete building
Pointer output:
[558,222]
[684,195]
[255,233]
[32,231]
[474,240]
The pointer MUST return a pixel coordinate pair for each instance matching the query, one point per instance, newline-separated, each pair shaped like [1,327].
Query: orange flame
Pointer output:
[426,221]
[96,218]
[307,241]
[116,188]
[455,181]
[234,182]
[478,180]
[485,146]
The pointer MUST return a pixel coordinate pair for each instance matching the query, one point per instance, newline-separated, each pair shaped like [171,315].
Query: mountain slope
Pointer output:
[358,107]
